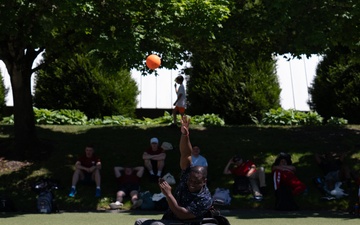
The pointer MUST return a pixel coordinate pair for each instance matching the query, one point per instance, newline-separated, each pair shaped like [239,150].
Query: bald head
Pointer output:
[199,170]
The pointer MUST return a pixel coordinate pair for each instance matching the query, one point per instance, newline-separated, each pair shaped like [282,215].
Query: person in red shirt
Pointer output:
[87,168]
[247,169]
[154,156]
[284,174]
[129,185]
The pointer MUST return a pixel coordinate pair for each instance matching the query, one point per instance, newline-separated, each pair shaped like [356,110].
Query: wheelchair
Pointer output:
[212,217]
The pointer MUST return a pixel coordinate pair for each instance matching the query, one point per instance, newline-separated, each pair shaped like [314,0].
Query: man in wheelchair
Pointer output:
[192,198]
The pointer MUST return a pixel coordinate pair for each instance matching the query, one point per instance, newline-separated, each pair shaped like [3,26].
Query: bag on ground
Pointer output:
[166,146]
[222,196]
[45,202]
[169,178]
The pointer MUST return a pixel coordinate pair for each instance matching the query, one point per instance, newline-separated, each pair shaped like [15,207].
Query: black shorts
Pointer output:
[127,188]
[88,178]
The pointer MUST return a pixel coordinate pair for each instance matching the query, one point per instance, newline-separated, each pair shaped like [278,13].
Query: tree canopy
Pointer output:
[123,32]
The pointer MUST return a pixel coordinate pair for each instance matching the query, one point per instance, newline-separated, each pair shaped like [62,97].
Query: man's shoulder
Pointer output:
[205,194]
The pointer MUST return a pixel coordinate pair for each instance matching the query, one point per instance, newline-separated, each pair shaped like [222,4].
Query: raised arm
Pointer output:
[227,167]
[139,171]
[185,145]
[117,171]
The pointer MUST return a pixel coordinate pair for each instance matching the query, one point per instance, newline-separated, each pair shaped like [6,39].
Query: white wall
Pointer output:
[9,97]
[156,91]
[295,77]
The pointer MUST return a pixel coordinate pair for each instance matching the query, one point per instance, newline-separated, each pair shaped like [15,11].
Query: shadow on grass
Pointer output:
[117,145]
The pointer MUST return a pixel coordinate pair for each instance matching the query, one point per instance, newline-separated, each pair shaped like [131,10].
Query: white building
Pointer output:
[295,76]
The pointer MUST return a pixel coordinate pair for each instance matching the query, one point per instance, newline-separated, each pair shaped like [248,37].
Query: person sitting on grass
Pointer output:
[87,169]
[196,158]
[191,199]
[284,174]
[154,158]
[246,170]
[334,170]
[129,185]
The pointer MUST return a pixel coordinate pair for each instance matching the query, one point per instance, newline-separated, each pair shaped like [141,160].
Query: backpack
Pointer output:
[45,202]
[222,196]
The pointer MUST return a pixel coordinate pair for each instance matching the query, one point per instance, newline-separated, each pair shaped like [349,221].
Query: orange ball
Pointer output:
[153,61]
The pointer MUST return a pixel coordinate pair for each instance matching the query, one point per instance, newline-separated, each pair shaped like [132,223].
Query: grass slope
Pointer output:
[118,145]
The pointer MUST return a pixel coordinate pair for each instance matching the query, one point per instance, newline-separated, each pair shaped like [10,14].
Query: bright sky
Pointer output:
[295,77]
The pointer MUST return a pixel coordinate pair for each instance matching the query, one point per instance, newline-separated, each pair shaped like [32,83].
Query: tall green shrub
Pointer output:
[335,91]
[232,88]
[77,83]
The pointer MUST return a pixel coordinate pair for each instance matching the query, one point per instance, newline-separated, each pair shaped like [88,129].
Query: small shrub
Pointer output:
[336,121]
[208,120]
[290,117]
[60,117]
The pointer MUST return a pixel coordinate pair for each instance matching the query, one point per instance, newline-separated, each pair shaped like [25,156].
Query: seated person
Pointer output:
[87,168]
[284,174]
[196,158]
[334,169]
[240,168]
[192,199]
[129,185]
[154,155]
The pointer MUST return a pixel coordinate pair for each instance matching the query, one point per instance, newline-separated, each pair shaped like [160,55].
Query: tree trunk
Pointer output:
[20,69]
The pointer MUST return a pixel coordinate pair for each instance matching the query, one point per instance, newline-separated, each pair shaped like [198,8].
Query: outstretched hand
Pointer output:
[185,122]
[164,187]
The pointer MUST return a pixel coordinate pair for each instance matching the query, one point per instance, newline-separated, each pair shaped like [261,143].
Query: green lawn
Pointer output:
[238,217]
[119,145]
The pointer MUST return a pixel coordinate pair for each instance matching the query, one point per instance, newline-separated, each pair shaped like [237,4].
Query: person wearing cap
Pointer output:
[154,156]
[247,169]
[180,103]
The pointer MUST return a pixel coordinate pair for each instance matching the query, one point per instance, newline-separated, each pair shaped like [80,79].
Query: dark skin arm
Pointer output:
[179,211]
[185,160]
